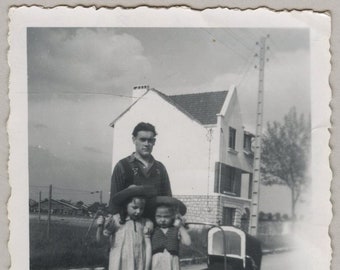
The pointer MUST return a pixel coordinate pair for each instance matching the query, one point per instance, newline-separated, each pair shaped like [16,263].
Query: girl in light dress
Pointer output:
[168,233]
[129,231]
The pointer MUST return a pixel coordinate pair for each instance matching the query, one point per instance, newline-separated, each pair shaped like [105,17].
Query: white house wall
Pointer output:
[181,145]
[232,118]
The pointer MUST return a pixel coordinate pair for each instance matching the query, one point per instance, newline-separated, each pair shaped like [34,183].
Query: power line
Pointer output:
[242,79]
[73,190]
[247,66]
[251,33]
[238,38]
[64,189]
[249,60]
[224,44]
[273,56]
[272,43]
[262,32]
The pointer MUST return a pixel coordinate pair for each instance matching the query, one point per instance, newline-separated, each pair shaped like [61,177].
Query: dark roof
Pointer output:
[201,106]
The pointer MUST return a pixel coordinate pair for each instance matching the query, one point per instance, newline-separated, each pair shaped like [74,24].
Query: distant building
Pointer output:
[203,144]
[59,207]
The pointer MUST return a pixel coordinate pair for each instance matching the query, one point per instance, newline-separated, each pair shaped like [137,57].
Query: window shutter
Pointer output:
[217,177]
[238,183]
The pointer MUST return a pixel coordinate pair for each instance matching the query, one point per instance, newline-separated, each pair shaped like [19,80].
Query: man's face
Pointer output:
[135,208]
[164,217]
[144,142]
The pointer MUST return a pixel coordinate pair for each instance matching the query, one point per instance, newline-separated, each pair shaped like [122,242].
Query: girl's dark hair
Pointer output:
[123,210]
[169,206]
[122,214]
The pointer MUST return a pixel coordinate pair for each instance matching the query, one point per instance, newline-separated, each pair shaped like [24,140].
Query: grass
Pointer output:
[67,246]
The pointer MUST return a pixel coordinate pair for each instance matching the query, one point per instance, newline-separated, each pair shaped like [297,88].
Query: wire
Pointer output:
[224,44]
[273,56]
[271,52]
[64,189]
[251,33]
[73,190]
[262,33]
[246,68]
[272,43]
[237,38]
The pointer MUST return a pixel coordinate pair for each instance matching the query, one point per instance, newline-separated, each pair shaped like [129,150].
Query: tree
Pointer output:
[93,208]
[79,204]
[277,216]
[285,154]
[262,216]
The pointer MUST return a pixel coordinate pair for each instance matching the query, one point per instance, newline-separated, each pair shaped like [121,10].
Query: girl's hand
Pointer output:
[106,232]
[100,220]
[179,221]
[184,236]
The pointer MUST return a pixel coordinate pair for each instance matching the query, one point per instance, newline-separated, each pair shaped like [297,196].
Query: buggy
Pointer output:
[229,248]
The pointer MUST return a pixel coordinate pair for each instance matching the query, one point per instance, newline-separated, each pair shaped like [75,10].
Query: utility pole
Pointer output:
[39,207]
[257,152]
[49,211]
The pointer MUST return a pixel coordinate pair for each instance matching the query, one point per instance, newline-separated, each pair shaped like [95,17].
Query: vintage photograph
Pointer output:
[170,147]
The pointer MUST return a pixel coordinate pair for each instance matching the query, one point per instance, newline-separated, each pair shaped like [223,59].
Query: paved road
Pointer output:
[292,260]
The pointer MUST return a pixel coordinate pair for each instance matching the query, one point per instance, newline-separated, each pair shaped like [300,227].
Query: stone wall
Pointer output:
[237,204]
[209,208]
[200,208]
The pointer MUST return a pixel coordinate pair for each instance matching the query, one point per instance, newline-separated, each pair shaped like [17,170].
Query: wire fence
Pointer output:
[71,195]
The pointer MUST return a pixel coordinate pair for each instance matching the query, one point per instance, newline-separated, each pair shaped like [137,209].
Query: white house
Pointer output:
[202,143]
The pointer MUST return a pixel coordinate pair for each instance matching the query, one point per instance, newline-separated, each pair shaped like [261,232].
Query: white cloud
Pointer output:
[85,60]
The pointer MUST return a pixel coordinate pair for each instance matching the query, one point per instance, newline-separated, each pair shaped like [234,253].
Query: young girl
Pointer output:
[168,233]
[129,231]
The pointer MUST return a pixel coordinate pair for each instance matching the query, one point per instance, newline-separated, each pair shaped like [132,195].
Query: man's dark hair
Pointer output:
[143,127]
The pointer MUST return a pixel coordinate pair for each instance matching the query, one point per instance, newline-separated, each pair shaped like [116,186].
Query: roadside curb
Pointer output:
[276,250]
[200,260]
[195,260]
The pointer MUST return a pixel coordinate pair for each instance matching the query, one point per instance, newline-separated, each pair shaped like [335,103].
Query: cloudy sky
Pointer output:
[80,79]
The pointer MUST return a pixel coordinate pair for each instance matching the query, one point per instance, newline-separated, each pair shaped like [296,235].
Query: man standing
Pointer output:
[140,168]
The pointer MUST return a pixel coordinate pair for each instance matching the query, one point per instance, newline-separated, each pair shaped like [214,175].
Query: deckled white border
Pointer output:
[174,17]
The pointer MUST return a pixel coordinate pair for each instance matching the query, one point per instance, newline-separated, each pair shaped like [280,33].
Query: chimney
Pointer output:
[139,91]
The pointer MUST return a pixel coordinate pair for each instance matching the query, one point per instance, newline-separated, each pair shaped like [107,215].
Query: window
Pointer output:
[228,185]
[250,195]
[247,142]
[227,179]
[228,216]
[232,138]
